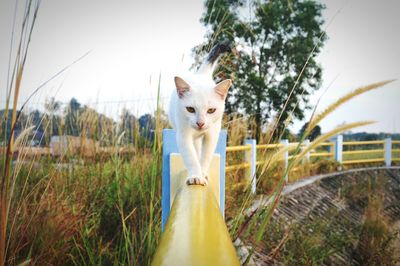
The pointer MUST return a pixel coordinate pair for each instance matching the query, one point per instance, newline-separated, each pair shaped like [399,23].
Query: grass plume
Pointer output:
[318,118]
[29,19]
[327,136]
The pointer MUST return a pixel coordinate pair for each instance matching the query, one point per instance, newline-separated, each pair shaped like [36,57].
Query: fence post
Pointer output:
[251,159]
[285,143]
[306,144]
[339,148]
[170,146]
[388,152]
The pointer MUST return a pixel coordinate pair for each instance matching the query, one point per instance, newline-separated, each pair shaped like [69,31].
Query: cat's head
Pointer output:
[201,102]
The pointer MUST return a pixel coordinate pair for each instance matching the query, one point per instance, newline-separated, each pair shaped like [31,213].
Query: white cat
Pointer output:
[196,109]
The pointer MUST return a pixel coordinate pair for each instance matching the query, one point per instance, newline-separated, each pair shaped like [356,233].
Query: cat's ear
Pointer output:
[181,87]
[222,88]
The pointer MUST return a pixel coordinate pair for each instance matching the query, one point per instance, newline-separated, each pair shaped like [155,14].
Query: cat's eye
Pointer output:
[190,109]
[211,110]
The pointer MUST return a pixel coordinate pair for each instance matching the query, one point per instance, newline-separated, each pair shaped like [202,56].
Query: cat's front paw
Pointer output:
[196,181]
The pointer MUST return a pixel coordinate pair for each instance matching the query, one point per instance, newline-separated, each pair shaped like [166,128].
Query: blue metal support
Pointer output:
[170,146]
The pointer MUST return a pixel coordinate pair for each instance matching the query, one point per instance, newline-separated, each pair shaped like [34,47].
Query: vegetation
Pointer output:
[97,213]
[73,209]
[316,132]
[77,120]
[328,233]
[365,136]
[275,71]
[105,209]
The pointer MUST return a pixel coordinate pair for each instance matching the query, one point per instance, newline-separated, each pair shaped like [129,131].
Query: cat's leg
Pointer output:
[198,146]
[209,144]
[191,160]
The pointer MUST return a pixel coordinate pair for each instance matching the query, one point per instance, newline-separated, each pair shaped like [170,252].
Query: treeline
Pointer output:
[360,136]
[76,119]
[365,136]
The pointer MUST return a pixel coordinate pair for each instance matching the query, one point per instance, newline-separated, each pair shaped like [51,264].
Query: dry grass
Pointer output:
[76,208]
[85,212]
[8,178]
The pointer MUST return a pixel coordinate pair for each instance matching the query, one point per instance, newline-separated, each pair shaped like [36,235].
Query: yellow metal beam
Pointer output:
[269,146]
[238,148]
[377,160]
[320,154]
[195,233]
[364,142]
[364,151]
[325,144]
[237,167]
[178,174]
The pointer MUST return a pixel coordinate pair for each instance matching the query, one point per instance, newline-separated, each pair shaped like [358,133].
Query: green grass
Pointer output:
[91,213]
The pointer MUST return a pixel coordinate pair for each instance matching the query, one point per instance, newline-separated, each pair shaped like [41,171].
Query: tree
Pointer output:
[315,132]
[280,40]
[128,123]
[52,107]
[71,117]
[147,125]
[5,125]
[36,120]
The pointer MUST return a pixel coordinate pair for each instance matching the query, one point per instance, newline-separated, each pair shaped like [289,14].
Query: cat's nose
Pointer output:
[200,124]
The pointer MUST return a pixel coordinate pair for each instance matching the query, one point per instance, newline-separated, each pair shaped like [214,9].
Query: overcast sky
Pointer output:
[132,42]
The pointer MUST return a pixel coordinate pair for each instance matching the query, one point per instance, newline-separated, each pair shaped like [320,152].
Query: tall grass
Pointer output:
[242,220]
[89,206]
[76,208]
[8,177]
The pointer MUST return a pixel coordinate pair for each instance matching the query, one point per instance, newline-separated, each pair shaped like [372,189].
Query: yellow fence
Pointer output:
[351,152]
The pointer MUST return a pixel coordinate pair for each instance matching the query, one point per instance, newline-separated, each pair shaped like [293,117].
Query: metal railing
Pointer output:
[347,153]
[195,233]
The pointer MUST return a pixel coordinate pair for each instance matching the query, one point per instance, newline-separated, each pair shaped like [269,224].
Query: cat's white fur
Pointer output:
[197,132]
